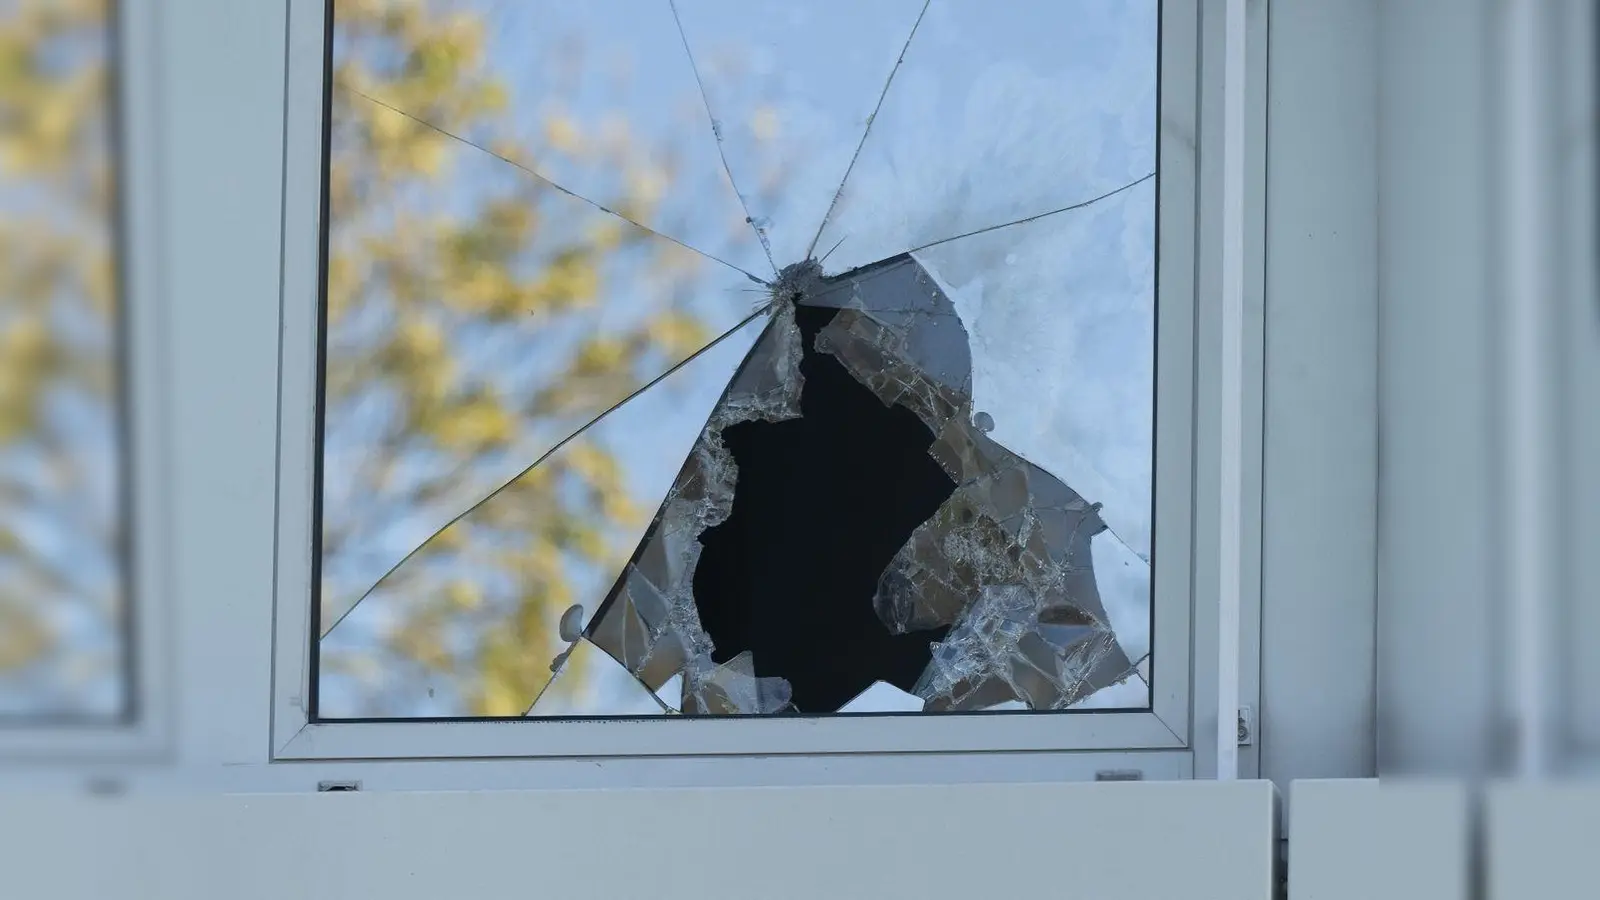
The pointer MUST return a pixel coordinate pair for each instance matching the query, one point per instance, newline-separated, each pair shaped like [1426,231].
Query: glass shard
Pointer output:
[1123,580]
[883,697]
[671,693]
[731,689]
[1061,316]
[591,683]
[1002,650]
[1010,525]
[842,473]
[1133,692]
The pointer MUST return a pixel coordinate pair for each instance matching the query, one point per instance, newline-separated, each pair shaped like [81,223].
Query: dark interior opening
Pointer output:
[821,505]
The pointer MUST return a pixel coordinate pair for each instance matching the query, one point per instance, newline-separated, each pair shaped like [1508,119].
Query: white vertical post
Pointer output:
[1231,480]
[1525,418]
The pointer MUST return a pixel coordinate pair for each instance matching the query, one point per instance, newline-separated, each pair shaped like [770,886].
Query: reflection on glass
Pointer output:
[469,623]
[676,367]
[63,577]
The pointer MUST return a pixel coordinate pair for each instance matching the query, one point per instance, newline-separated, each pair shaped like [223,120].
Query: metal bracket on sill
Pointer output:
[1119,775]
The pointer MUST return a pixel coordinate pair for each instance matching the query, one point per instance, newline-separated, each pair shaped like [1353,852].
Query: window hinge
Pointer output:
[1247,726]
[337,787]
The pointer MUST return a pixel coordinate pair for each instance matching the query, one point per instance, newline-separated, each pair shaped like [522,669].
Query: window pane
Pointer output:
[730,357]
[63,577]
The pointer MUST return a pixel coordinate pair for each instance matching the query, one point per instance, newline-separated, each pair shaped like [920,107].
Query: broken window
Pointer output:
[707,357]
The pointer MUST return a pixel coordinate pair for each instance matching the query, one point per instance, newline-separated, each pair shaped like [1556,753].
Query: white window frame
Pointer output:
[1188,447]
[143,734]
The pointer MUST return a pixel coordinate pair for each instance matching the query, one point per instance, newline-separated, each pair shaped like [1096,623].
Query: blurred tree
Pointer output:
[58,364]
[464,307]
[465,302]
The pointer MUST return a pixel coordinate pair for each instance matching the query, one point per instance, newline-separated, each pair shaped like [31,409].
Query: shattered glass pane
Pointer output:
[893,266]
[883,697]
[1099,441]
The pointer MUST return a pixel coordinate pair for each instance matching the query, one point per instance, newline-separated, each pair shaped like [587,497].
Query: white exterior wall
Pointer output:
[1319,493]
[1198,840]
[1437,526]
[1486,641]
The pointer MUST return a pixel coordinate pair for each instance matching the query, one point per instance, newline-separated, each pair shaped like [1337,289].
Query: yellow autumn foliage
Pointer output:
[413,297]
[425,303]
